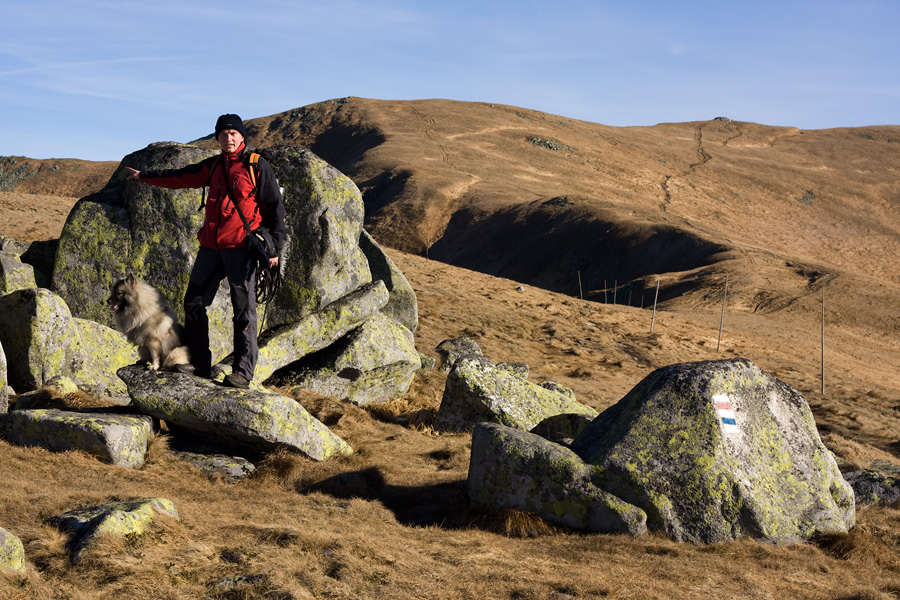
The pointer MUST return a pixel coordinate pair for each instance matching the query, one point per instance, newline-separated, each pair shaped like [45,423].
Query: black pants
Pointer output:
[210,268]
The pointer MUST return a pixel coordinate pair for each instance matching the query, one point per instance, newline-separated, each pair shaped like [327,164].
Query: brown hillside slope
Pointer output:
[550,201]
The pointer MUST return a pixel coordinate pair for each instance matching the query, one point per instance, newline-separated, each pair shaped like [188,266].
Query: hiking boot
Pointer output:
[184,369]
[236,381]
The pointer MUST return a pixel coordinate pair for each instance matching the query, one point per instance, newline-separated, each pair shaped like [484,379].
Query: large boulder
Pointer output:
[115,438]
[126,517]
[712,451]
[241,419]
[477,391]
[43,341]
[373,364]
[153,232]
[14,274]
[452,349]
[514,469]
[12,553]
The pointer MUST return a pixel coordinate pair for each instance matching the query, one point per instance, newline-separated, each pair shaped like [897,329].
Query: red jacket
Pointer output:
[222,227]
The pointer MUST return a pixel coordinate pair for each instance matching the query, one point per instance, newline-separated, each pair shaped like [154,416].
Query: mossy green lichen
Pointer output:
[12,553]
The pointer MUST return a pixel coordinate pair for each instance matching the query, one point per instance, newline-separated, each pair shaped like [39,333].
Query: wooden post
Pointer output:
[615,289]
[722,318]
[580,292]
[605,298]
[655,298]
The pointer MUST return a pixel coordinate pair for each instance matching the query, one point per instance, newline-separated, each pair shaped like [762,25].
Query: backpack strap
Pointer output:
[253,167]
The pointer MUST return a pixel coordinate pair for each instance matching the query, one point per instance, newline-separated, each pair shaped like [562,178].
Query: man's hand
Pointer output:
[273,262]
[133,174]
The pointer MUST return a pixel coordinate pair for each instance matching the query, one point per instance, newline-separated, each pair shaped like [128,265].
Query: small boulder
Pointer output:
[14,274]
[372,364]
[128,517]
[114,438]
[476,391]
[514,469]
[450,350]
[12,553]
[872,487]
[712,451]
[214,465]
[241,419]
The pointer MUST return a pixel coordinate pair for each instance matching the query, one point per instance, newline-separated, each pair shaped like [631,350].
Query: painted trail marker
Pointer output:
[726,413]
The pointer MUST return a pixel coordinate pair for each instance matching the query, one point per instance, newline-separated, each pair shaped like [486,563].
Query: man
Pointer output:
[224,249]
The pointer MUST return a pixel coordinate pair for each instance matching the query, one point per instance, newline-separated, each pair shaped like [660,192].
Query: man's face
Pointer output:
[230,140]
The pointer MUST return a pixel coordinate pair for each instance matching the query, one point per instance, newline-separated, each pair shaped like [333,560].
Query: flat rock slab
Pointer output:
[127,517]
[242,419]
[118,439]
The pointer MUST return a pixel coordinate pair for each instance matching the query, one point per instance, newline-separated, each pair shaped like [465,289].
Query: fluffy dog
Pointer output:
[144,316]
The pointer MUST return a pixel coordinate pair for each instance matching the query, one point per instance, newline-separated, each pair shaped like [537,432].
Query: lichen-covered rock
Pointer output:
[450,350]
[44,342]
[562,429]
[514,469]
[12,553]
[4,387]
[106,351]
[241,419]
[402,305]
[218,465]
[14,274]
[153,232]
[115,438]
[712,451]
[127,517]
[40,338]
[476,391]
[519,370]
[289,343]
[372,364]
[872,487]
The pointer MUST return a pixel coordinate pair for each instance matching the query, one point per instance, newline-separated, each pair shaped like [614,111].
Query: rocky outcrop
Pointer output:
[706,452]
[128,517]
[712,451]
[153,233]
[43,341]
[476,391]
[12,553]
[872,487]
[241,419]
[114,438]
[514,469]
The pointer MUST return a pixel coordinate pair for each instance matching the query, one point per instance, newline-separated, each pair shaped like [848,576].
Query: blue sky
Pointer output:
[99,79]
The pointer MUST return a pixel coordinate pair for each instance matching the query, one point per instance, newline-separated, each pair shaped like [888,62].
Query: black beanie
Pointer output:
[230,122]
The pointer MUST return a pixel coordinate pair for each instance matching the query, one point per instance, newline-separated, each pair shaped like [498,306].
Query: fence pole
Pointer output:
[615,290]
[580,292]
[653,318]
[605,298]
[722,318]
[823,339]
